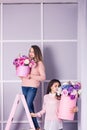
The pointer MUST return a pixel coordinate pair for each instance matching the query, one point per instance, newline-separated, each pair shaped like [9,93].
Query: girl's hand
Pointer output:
[29,76]
[21,77]
[74,109]
[33,114]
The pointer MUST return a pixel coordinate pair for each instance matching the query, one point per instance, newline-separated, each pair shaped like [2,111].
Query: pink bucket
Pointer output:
[66,105]
[22,71]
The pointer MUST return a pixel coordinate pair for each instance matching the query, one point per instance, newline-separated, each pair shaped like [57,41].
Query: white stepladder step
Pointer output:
[13,110]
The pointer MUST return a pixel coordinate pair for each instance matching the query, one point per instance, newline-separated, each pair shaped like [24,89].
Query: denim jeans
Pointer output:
[30,93]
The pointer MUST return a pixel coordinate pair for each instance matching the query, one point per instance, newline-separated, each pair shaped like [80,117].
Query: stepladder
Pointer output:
[19,97]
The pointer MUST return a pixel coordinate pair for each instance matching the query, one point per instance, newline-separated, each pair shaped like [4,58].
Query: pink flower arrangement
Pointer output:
[24,61]
[70,89]
[21,61]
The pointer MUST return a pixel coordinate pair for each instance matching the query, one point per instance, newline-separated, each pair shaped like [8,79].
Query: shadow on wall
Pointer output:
[51,62]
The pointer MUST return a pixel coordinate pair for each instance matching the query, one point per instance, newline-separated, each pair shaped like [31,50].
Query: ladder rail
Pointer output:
[27,112]
[13,110]
[11,116]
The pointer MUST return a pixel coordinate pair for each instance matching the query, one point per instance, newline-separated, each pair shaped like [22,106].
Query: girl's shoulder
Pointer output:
[46,95]
[40,63]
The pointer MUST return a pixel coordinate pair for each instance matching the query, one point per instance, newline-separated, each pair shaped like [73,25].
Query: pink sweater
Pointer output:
[50,107]
[37,74]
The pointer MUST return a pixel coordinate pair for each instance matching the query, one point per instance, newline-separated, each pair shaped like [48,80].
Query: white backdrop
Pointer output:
[51,26]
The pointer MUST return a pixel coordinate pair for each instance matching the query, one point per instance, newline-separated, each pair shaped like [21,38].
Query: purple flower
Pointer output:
[71,89]
[77,86]
[72,96]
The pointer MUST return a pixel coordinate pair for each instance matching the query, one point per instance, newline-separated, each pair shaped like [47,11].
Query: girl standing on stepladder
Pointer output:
[31,83]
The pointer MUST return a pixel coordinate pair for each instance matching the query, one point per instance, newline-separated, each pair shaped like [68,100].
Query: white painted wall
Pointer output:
[82,62]
[51,26]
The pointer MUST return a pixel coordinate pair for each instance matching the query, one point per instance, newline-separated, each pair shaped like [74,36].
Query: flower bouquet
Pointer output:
[23,65]
[69,94]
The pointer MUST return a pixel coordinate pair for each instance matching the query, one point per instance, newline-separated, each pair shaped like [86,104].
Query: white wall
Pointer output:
[51,26]
[82,62]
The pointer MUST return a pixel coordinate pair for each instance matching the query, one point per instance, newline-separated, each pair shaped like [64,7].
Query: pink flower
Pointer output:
[32,63]
[65,92]
[24,61]
[20,61]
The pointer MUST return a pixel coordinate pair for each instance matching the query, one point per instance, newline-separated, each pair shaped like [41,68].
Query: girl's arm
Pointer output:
[21,77]
[42,75]
[40,113]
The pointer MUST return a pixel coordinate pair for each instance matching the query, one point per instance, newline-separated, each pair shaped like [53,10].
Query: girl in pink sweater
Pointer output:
[32,81]
[50,107]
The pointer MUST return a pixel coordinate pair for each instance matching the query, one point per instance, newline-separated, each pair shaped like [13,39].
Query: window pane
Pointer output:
[21,21]
[60,21]
[61,60]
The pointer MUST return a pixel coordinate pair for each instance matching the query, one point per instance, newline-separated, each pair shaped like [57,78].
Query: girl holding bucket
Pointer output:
[50,107]
[31,83]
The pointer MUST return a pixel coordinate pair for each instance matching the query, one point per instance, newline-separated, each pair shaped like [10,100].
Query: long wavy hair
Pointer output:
[37,52]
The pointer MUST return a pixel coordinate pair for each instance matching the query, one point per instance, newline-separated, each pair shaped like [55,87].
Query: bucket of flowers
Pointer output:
[23,65]
[69,92]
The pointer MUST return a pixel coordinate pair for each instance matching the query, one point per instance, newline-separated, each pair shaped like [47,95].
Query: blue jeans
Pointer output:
[30,93]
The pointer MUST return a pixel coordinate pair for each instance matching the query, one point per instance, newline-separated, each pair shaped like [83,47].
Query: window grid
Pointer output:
[2,122]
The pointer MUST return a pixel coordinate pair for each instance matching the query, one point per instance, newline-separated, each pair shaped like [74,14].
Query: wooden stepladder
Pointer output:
[13,110]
